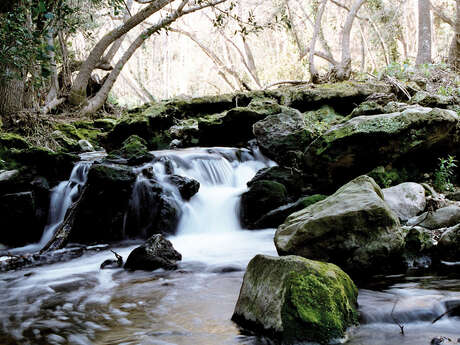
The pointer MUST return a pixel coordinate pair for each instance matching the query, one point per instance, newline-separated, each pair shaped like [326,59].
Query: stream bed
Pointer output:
[78,303]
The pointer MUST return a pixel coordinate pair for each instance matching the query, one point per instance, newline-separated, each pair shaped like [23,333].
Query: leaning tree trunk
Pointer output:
[424,33]
[11,90]
[99,99]
[78,91]
[344,67]
[314,75]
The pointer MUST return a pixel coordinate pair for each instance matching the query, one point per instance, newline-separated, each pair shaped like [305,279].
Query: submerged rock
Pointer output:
[406,199]
[157,252]
[187,187]
[353,228]
[295,300]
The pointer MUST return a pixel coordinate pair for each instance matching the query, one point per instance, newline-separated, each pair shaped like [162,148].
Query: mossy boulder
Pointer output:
[280,134]
[276,217]
[353,228]
[365,142]
[100,215]
[67,144]
[82,130]
[291,179]
[133,150]
[296,300]
[261,197]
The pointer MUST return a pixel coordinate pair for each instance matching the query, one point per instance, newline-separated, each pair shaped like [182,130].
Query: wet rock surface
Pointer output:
[157,252]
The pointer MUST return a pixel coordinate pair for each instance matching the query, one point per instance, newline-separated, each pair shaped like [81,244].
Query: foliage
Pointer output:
[443,176]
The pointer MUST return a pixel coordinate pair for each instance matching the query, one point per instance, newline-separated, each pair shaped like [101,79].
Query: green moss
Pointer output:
[106,124]
[134,149]
[67,144]
[320,304]
[81,130]
[312,199]
[12,140]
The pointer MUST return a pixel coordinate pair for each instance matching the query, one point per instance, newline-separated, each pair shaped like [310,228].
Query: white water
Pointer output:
[62,197]
[77,303]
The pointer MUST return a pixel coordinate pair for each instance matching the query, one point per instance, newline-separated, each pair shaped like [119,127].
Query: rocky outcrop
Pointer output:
[353,228]
[296,300]
[365,142]
[407,200]
[157,252]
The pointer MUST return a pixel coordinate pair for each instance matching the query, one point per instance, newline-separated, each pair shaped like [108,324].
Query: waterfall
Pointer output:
[62,197]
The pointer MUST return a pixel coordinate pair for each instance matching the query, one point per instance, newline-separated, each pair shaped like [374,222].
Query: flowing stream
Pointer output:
[77,303]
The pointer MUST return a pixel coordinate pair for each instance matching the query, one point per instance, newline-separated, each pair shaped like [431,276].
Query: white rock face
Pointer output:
[406,199]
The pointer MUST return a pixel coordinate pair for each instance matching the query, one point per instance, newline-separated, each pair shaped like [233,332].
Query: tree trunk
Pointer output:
[78,91]
[314,75]
[344,68]
[424,33]
[99,99]
[454,53]
[11,91]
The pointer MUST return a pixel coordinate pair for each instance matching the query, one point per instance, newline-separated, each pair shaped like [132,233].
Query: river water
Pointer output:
[77,303]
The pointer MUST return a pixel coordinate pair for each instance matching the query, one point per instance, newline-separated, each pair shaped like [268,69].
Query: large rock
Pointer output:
[153,210]
[296,300]
[133,150]
[353,228]
[449,244]
[365,142]
[261,197]
[157,252]
[406,199]
[187,187]
[441,218]
[101,213]
[18,218]
[276,217]
[234,127]
[290,178]
[279,134]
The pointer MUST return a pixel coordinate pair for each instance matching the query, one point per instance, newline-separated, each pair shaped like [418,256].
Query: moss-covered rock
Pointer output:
[133,150]
[82,130]
[365,142]
[276,217]
[432,100]
[279,134]
[67,144]
[296,300]
[353,228]
[289,178]
[261,197]
[341,96]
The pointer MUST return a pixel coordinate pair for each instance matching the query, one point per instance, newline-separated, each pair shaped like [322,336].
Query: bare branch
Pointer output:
[441,15]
